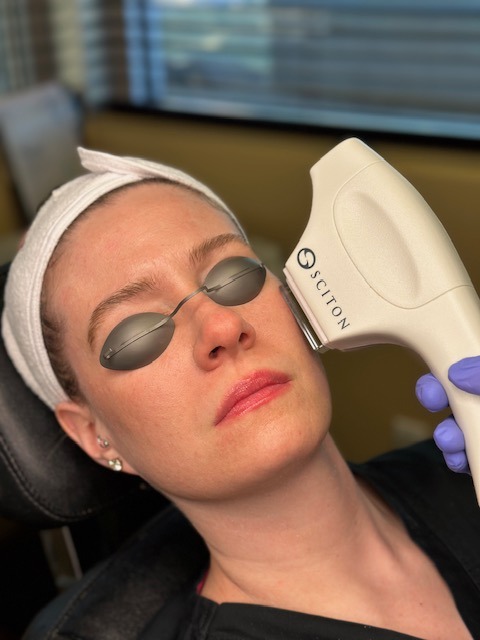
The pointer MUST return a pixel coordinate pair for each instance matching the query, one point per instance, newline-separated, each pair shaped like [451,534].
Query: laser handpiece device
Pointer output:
[375,265]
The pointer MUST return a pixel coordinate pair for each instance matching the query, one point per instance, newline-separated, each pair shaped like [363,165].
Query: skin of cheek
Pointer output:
[167,436]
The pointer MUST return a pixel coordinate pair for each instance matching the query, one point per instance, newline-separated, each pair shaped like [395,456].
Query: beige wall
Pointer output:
[263,174]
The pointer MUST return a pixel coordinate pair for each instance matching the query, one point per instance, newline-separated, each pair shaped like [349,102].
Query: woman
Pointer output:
[139,313]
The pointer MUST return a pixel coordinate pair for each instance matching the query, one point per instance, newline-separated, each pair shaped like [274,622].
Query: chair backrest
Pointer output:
[141,592]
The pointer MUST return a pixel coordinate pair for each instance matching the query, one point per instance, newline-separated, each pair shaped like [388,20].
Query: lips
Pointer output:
[253,391]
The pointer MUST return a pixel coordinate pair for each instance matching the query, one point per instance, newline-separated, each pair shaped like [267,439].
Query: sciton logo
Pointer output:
[306,258]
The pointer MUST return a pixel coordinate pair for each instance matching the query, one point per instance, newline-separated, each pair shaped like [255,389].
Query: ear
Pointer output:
[80,424]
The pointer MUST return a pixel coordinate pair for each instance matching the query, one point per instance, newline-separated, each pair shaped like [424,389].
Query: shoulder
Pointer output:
[416,481]
[419,468]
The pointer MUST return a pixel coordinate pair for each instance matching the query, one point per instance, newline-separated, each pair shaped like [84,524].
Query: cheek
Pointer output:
[147,426]
[284,329]
[147,409]
[158,430]
[279,321]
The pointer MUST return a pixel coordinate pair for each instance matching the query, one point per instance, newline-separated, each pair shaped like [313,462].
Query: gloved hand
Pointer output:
[448,436]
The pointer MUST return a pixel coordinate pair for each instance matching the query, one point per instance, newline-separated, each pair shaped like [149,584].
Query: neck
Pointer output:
[315,516]
[320,542]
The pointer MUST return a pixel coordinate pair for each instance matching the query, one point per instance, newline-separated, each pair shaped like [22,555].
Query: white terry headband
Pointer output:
[21,326]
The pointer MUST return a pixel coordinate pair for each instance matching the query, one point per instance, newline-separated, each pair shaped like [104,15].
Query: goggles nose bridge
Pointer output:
[184,300]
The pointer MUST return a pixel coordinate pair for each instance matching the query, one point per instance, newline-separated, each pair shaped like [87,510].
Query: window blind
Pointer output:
[389,66]
[399,66]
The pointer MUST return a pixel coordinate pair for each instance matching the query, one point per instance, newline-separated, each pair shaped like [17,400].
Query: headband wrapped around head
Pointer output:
[21,325]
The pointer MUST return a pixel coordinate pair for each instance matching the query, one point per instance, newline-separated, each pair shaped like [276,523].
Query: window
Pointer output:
[391,65]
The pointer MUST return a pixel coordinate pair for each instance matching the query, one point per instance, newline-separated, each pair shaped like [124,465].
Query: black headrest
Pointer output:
[45,479]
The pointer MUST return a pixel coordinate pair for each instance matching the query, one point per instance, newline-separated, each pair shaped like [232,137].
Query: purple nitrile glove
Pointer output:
[465,374]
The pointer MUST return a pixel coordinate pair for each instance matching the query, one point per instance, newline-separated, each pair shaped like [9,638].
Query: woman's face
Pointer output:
[236,396]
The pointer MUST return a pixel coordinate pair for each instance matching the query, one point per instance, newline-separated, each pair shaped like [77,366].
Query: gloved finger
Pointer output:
[457,462]
[449,437]
[465,374]
[430,393]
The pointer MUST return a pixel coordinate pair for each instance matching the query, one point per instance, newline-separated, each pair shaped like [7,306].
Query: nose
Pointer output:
[221,333]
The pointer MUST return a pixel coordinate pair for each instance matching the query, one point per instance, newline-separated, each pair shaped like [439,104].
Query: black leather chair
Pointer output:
[138,553]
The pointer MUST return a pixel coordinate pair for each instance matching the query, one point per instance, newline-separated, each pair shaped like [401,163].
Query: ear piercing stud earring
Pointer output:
[102,443]
[115,464]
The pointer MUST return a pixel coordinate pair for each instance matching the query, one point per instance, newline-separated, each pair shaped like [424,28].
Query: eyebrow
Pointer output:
[130,291]
[198,254]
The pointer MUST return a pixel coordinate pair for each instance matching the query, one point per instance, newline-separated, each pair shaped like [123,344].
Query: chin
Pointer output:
[281,448]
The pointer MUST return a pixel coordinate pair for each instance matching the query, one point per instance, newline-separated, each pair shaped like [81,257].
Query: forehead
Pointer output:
[148,227]
[169,215]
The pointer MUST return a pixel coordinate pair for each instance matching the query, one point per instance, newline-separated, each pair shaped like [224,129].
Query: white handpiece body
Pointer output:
[375,265]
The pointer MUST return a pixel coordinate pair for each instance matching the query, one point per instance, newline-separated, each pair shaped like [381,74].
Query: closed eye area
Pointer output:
[141,338]
[147,284]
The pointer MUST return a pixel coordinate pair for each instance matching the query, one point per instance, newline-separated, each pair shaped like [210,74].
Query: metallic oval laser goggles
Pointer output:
[139,339]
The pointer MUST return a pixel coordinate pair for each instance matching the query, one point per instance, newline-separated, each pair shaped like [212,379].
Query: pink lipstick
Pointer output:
[253,391]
